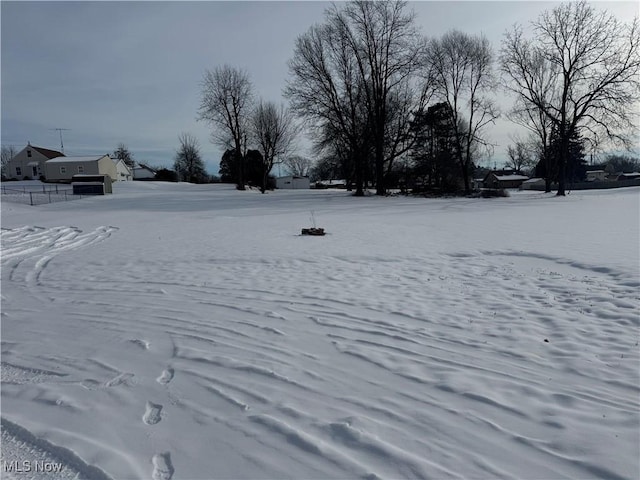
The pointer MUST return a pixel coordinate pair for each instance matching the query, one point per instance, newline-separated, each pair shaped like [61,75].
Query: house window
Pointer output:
[18,171]
[29,153]
[63,169]
[80,168]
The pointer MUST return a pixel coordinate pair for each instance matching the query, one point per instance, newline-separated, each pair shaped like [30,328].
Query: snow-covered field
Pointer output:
[190,332]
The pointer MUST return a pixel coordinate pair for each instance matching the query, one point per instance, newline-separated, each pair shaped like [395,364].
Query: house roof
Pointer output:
[144,167]
[92,158]
[48,153]
[119,160]
[511,177]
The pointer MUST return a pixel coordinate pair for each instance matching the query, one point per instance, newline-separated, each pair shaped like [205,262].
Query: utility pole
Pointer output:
[60,130]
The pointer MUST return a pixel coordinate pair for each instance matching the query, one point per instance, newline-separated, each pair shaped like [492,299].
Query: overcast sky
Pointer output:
[130,72]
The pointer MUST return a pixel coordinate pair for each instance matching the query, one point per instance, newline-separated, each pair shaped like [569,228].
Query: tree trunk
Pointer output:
[465,176]
[379,153]
[239,165]
[359,176]
[562,165]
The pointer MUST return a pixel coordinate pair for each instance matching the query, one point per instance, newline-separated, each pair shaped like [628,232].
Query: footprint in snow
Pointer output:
[140,343]
[166,376]
[122,379]
[152,413]
[162,467]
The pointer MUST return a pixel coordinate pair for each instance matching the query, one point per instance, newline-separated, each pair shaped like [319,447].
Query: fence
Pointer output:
[38,195]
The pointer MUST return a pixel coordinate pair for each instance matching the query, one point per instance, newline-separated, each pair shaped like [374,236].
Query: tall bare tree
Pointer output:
[593,79]
[274,131]
[227,102]
[8,152]
[462,71]
[350,77]
[384,40]
[326,90]
[188,163]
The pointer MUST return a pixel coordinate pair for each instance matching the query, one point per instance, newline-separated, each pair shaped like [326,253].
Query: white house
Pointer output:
[123,171]
[61,169]
[30,162]
[293,182]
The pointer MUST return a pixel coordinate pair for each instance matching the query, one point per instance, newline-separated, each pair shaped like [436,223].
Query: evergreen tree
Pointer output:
[576,166]
[253,167]
[433,155]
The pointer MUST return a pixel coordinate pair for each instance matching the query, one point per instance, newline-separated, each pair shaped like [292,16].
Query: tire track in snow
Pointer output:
[32,248]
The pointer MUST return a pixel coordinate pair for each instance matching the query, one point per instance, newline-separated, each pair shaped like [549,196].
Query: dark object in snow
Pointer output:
[546,340]
[313,231]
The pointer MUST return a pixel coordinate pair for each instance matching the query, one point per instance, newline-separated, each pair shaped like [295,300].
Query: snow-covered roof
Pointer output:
[333,182]
[144,167]
[511,177]
[92,158]
[595,171]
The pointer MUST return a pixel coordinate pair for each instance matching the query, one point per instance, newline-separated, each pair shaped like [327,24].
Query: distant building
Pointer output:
[293,182]
[628,176]
[503,179]
[62,169]
[29,162]
[533,184]
[142,172]
[331,184]
[596,175]
[123,171]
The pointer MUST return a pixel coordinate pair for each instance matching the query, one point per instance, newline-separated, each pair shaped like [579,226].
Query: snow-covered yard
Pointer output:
[174,330]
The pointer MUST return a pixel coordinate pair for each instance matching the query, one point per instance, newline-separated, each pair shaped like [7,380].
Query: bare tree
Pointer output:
[273,130]
[227,101]
[519,155]
[8,152]
[298,165]
[350,79]
[593,60]
[188,162]
[462,71]
[326,90]
[385,43]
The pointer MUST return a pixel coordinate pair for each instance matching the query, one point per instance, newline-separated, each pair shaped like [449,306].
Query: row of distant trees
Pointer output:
[385,104]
